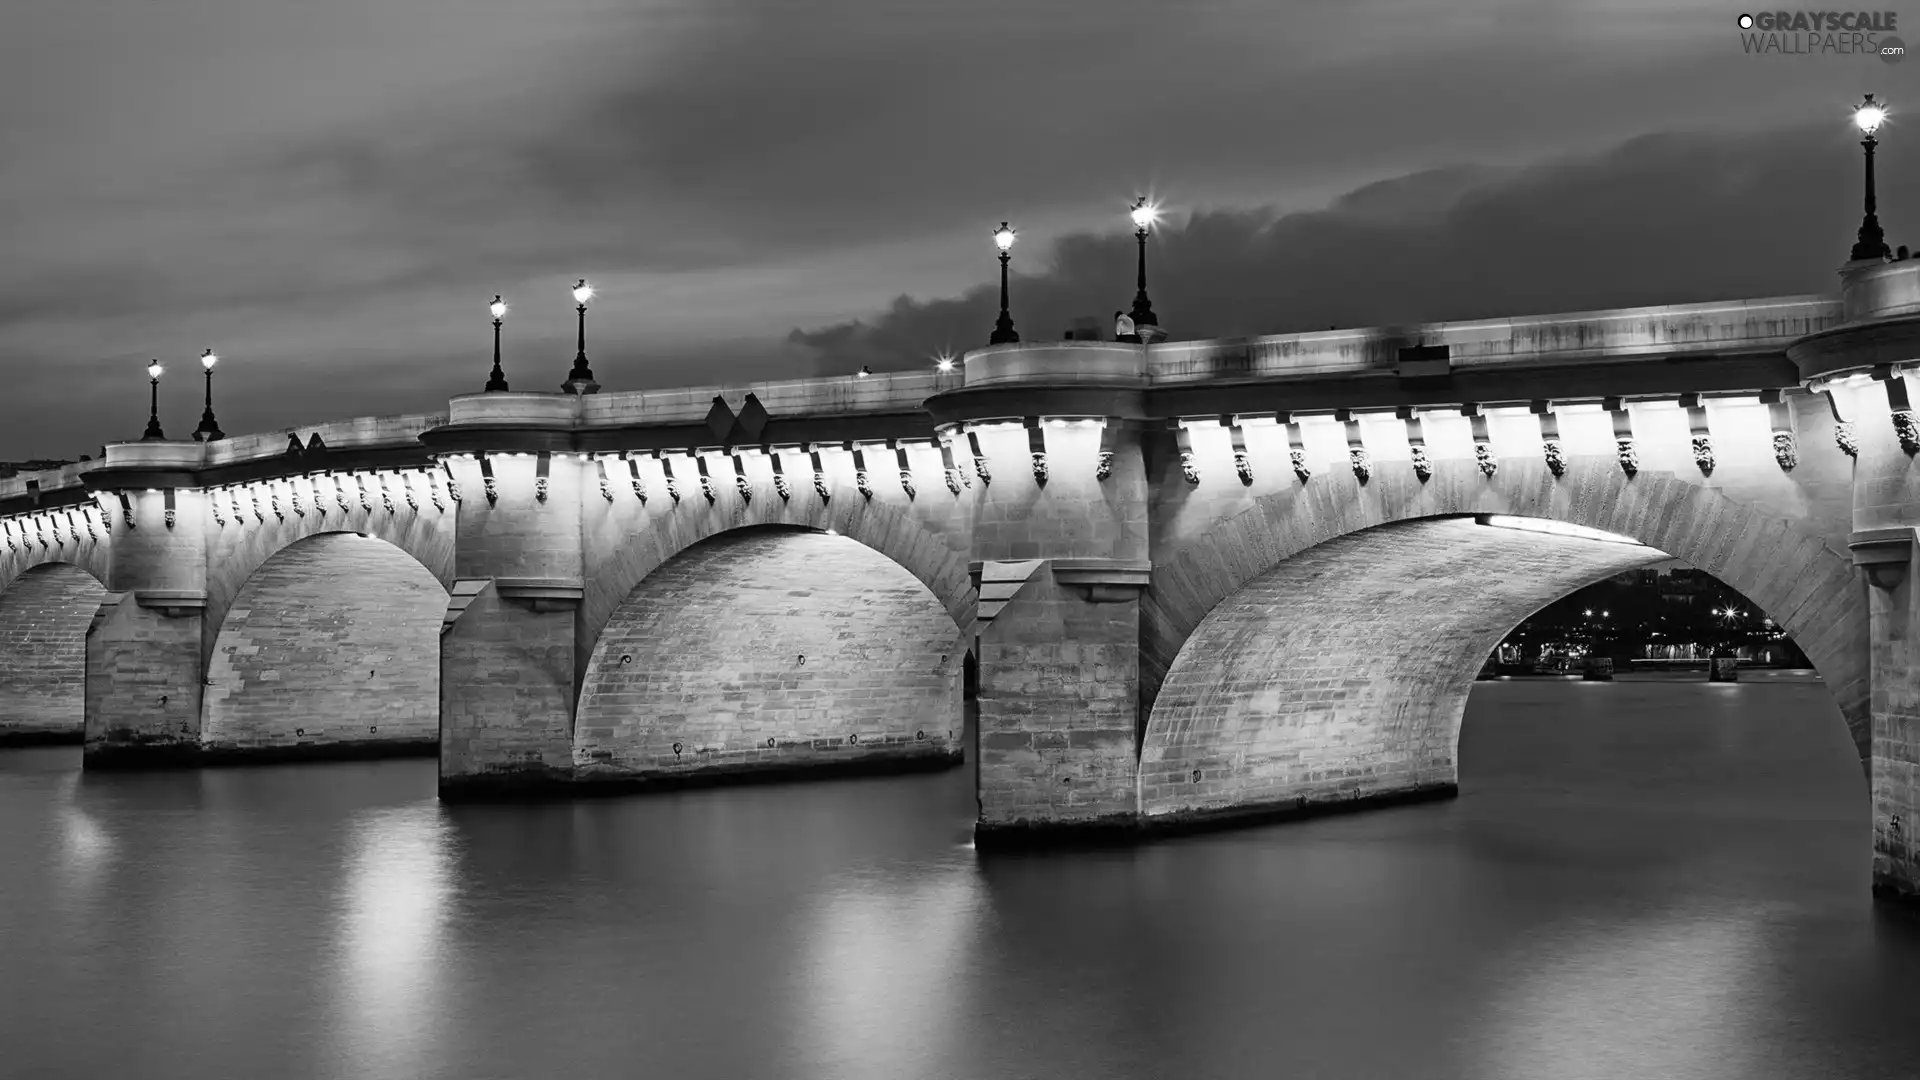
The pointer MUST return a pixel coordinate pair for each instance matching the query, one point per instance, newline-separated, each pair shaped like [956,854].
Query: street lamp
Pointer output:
[153,410]
[1003,332]
[1146,325]
[580,379]
[1872,243]
[209,429]
[497,382]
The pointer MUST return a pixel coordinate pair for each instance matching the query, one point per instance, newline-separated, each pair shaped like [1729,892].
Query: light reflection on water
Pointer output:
[395,904]
[1639,880]
[1660,995]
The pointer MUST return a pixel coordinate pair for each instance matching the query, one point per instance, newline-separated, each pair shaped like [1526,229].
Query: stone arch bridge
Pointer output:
[1199,580]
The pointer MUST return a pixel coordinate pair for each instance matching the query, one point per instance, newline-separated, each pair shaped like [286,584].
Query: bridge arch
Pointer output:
[772,647]
[45,609]
[331,646]
[1431,597]
[899,534]
[251,529]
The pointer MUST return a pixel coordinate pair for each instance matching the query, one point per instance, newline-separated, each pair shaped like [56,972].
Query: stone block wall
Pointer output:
[506,695]
[626,540]
[44,615]
[770,648]
[1343,672]
[334,639]
[249,524]
[143,683]
[1074,514]
[1795,572]
[1896,738]
[1056,711]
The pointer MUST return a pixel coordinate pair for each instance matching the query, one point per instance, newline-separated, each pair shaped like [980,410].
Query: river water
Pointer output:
[1640,879]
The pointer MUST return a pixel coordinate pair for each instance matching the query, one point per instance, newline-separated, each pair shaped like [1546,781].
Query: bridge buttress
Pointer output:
[507,660]
[145,669]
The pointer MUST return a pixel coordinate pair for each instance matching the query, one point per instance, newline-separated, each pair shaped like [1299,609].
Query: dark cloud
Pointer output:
[1670,218]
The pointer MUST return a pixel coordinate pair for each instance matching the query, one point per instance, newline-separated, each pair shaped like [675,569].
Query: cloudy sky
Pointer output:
[329,194]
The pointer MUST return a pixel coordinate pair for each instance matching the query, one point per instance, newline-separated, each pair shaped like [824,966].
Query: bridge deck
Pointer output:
[1720,329]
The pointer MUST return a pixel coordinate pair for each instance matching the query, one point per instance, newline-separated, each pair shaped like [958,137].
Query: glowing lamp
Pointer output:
[207,360]
[499,306]
[1004,236]
[1869,115]
[153,371]
[582,292]
[1144,213]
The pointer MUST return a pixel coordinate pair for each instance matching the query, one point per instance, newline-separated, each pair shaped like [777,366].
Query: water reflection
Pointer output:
[888,943]
[395,905]
[1637,881]
[1597,999]
[85,845]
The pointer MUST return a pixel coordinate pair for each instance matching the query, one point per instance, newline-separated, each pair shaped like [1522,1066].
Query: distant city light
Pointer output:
[945,363]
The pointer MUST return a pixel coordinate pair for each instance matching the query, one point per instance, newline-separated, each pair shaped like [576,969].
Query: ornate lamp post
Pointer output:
[153,410]
[580,379]
[1142,314]
[1872,243]
[497,382]
[1003,332]
[209,429]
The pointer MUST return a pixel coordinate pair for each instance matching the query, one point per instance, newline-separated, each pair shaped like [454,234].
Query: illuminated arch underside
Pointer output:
[1343,672]
[796,637]
[44,615]
[334,640]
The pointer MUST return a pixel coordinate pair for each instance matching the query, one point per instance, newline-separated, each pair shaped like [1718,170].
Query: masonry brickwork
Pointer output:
[335,639]
[1057,740]
[1343,672]
[767,648]
[255,525]
[44,615]
[1777,536]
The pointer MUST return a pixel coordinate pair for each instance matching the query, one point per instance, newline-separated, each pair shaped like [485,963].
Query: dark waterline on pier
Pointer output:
[1640,878]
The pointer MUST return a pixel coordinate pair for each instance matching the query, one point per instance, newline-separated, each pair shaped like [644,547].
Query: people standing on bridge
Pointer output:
[1123,329]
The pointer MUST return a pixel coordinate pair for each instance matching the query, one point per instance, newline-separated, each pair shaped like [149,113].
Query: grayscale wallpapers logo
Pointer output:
[1809,33]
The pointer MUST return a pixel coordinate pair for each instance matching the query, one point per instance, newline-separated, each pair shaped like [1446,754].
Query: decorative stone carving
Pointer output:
[1703,454]
[1843,435]
[1907,430]
[1785,450]
[1556,457]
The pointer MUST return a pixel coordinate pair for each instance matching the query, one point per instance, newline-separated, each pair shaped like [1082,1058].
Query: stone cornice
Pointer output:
[1687,374]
